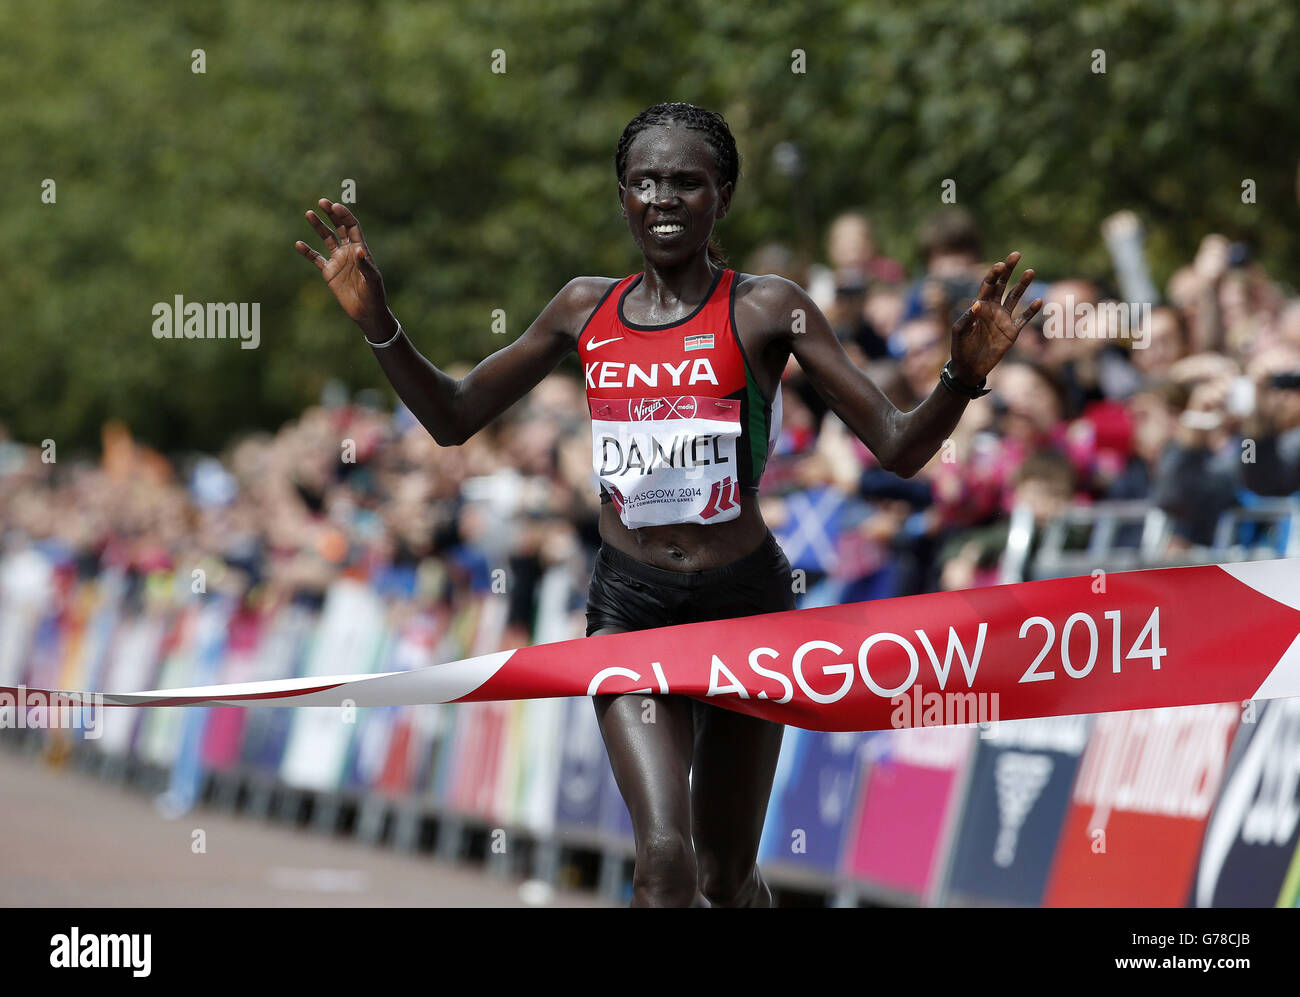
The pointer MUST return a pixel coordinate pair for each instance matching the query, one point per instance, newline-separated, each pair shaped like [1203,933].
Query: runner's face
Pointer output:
[671,194]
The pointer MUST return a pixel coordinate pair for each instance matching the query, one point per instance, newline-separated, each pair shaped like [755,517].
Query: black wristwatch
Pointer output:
[957,387]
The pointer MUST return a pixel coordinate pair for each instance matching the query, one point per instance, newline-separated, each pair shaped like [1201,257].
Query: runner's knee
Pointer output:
[729,884]
[665,867]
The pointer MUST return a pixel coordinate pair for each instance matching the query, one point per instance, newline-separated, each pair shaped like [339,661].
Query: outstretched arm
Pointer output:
[904,442]
[451,409]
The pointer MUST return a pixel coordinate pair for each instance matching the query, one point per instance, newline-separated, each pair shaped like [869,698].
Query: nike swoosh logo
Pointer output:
[593,344]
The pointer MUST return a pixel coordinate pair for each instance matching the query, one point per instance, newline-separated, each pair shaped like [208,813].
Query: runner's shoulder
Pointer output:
[579,298]
[766,300]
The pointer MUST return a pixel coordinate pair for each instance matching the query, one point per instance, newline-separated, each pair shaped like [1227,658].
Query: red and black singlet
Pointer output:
[680,429]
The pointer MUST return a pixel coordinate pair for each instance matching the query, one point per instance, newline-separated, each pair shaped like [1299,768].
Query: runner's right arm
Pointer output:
[451,409]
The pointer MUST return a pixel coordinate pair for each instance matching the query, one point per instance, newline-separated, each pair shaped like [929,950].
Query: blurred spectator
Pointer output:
[851,247]
[1084,346]
[1167,341]
[1044,485]
[953,250]
[1197,475]
[778,258]
[842,289]
[1274,424]
[922,346]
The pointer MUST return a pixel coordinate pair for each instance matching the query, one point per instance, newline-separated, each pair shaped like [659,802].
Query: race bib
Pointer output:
[668,460]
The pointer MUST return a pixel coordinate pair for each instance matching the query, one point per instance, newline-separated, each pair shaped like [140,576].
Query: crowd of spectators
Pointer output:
[1192,404]
[1188,400]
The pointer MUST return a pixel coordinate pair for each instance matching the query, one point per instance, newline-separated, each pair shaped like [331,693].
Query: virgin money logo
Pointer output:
[663,408]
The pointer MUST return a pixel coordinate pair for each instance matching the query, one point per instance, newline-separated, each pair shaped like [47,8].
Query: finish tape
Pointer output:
[1123,641]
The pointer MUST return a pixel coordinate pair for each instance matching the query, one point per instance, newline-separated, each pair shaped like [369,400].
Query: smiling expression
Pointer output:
[671,193]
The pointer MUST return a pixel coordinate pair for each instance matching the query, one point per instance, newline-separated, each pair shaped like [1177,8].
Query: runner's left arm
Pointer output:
[903,442]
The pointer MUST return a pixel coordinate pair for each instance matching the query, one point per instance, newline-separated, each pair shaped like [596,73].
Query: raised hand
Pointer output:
[350,269]
[988,328]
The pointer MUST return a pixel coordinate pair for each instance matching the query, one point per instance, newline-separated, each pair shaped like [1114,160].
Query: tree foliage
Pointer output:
[483,190]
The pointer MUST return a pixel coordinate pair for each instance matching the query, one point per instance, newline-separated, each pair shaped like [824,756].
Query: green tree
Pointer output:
[482,190]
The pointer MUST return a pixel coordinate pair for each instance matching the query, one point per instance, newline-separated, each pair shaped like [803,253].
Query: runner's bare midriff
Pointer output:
[687,546]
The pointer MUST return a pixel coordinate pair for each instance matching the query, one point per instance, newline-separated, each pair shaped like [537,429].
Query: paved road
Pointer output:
[68,839]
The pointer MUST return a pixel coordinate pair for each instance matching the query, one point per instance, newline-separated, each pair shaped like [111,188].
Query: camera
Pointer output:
[1288,381]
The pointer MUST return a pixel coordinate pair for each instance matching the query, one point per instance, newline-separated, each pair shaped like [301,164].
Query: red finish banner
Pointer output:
[1122,641]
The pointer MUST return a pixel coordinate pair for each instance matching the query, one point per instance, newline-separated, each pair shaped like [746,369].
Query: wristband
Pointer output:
[957,387]
[380,346]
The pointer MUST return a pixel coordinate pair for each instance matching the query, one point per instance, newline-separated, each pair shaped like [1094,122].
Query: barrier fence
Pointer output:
[1194,805]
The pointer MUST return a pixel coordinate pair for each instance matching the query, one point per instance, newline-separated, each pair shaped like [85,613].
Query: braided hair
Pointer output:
[716,134]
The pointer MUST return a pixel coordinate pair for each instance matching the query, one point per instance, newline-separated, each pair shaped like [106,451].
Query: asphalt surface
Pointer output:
[69,839]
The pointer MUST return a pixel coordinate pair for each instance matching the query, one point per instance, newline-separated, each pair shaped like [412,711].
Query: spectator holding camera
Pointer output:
[1274,425]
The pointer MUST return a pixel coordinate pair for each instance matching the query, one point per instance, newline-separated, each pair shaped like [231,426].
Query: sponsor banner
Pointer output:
[1167,637]
[350,636]
[282,655]
[158,741]
[615,821]
[27,589]
[389,751]
[906,806]
[225,728]
[440,724]
[1139,806]
[581,785]
[442,764]
[587,798]
[414,768]
[537,764]
[1015,804]
[392,752]
[105,616]
[211,628]
[511,763]
[650,409]
[379,750]
[376,729]
[134,662]
[47,642]
[1252,836]
[479,761]
[812,800]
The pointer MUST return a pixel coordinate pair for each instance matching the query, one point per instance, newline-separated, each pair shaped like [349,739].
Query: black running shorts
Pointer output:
[629,595]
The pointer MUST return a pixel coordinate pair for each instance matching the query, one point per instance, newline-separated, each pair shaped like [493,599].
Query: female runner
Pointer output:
[682,363]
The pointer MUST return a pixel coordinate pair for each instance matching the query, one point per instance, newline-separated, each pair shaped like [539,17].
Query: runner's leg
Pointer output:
[649,741]
[735,762]
[736,755]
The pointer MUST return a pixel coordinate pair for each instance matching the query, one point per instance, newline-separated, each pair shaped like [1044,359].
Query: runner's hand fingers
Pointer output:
[367,264]
[335,212]
[1028,313]
[323,231]
[345,219]
[990,284]
[1013,299]
[964,321]
[311,254]
[1008,268]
